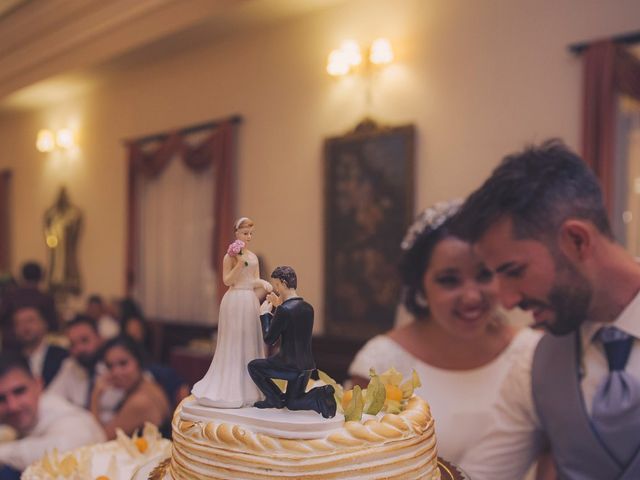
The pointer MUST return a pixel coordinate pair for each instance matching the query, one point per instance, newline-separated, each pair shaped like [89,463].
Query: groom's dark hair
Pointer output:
[287,275]
[538,188]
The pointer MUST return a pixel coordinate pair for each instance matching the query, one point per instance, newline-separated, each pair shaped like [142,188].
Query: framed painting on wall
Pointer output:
[369,190]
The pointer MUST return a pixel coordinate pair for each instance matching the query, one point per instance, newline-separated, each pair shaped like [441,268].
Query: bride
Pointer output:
[227,383]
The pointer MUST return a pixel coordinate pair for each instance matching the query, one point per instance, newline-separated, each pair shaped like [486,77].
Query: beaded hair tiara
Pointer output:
[430,219]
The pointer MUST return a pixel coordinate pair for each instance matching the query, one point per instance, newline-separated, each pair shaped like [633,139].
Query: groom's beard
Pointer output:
[570,298]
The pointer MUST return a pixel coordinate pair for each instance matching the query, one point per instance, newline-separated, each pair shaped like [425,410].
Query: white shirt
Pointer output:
[516,438]
[108,327]
[36,359]
[460,400]
[72,384]
[60,425]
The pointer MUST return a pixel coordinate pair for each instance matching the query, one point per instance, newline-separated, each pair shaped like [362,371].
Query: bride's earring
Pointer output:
[421,300]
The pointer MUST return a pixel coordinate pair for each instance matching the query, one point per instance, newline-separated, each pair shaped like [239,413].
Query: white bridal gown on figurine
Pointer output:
[227,383]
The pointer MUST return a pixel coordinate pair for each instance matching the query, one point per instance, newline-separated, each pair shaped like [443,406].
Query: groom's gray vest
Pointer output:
[578,452]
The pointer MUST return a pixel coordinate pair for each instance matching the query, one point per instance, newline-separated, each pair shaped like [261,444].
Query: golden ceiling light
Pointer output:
[351,51]
[62,139]
[381,52]
[349,56]
[45,141]
[65,139]
[337,64]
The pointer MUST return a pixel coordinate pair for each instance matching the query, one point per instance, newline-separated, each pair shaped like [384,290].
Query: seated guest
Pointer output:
[459,344]
[107,326]
[43,421]
[133,324]
[540,223]
[136,328]
[144,401]
[27,294]
[31,329]
[79,371]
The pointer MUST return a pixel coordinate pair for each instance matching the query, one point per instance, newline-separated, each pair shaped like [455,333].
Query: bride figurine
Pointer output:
[227,383]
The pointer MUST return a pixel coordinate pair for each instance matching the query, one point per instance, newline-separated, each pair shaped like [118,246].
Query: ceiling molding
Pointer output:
[53,50]
[43,39]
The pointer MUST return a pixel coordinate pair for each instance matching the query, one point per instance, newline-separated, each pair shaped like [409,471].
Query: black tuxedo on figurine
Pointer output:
[292,323]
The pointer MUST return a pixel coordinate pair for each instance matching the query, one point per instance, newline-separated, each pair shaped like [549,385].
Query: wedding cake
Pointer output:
[299,430]
[211,443]
[118,459]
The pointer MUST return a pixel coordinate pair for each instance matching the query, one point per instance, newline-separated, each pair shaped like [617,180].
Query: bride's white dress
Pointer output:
[227,383]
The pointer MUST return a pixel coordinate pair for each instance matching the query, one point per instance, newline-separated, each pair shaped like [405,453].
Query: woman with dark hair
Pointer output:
[132,322]
[145,400]
[458,344]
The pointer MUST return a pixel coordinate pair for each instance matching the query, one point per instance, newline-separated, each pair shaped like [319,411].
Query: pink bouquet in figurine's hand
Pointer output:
[235,249]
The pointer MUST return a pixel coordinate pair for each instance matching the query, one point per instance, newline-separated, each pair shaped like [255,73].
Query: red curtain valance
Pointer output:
[5,238]
[609,70]
[216,150]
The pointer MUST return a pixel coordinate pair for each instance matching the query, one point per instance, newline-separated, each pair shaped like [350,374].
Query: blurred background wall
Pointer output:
[478,79]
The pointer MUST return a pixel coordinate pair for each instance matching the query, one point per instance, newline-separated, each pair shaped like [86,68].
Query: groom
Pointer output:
[292,323]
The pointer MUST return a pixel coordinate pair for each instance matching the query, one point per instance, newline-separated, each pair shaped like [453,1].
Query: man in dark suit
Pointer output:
[292,323]
[27,294]
[31,329]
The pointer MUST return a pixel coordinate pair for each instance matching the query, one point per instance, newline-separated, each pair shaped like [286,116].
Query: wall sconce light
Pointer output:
[45,142]
[48,141]
[381,52]
[346,58]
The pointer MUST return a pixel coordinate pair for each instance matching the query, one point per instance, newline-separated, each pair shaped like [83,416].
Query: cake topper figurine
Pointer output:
[227,384]
[292,323]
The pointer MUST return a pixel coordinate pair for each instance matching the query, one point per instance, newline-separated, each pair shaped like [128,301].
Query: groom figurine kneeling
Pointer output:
[292,323]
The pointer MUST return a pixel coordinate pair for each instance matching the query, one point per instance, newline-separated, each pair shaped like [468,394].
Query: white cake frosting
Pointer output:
[281,423]
[219,445]
[115,460]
